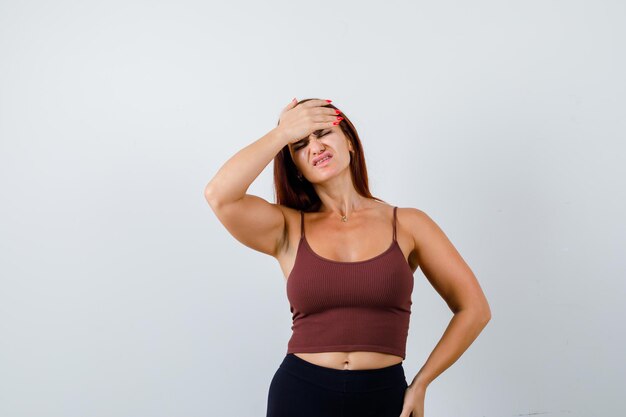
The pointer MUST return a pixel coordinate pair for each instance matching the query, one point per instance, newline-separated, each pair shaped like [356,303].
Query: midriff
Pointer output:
[351,360]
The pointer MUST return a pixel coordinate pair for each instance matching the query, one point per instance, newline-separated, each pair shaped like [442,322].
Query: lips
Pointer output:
[322,156]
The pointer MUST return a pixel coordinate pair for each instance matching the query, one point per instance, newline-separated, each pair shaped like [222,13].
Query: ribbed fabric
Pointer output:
[348,306]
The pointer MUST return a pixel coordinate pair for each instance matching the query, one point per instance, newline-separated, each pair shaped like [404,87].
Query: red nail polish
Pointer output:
[337,111]
[328,101]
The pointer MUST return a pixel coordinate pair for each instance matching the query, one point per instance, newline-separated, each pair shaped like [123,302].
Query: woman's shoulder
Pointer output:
[406,211]
[414,221]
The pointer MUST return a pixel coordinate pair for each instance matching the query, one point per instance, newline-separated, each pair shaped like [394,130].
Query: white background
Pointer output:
[122,295]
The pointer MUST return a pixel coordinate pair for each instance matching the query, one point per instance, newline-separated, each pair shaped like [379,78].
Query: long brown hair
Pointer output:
[300,194]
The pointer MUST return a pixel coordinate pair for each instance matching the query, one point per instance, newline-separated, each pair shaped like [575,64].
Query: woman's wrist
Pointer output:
[280,136]
[419,383]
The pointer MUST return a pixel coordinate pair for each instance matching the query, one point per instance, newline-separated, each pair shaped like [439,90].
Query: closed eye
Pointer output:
[303,142]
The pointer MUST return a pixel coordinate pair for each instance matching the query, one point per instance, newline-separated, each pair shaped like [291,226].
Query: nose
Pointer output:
[316,145]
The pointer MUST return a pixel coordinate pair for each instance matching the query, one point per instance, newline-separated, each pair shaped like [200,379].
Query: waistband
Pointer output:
[345,380]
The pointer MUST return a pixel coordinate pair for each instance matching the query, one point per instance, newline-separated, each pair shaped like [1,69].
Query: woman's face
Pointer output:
[330,141]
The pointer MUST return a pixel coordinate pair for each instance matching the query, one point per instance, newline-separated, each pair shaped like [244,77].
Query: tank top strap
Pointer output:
[394,222]
[301,224]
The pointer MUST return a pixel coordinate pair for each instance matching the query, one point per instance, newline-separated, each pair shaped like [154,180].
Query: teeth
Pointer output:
[322,160]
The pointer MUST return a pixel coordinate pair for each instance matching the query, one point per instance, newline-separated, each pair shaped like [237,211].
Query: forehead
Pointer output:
[315,133]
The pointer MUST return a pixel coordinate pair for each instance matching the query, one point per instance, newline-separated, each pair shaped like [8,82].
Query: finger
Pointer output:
[289,106]
[315,103]
[325,111]
[325,114]
[326,125]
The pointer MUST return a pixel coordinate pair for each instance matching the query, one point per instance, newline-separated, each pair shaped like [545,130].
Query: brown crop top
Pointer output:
[350,306]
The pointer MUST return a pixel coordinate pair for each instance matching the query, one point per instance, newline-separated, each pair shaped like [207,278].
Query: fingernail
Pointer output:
[328,101]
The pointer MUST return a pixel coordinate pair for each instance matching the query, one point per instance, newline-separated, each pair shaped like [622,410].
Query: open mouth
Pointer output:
[324,161]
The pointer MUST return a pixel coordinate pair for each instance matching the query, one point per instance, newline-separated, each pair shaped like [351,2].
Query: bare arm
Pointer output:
[453,279]
[233,179]
[252,220]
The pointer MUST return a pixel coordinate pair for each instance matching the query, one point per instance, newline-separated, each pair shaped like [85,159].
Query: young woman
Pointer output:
[348,259]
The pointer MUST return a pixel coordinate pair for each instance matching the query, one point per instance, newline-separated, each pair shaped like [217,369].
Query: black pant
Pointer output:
[302,389]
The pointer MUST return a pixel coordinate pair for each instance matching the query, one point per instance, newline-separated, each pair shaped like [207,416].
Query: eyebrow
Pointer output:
[315,133]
